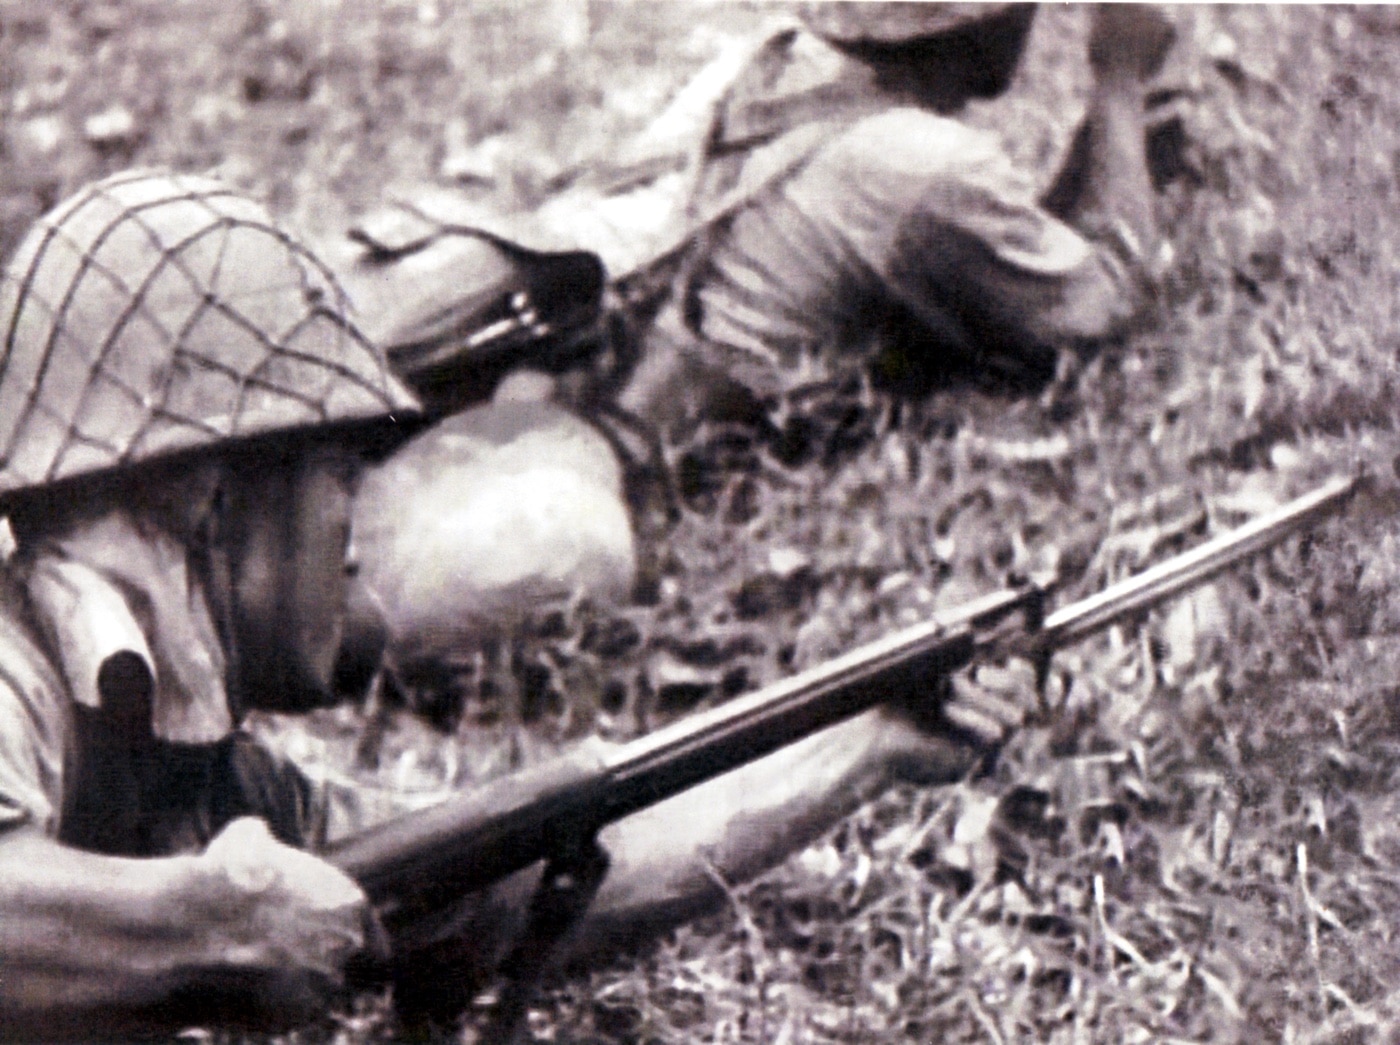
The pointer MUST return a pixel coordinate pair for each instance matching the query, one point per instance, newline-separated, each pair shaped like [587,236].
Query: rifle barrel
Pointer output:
[748,727]
[508,823]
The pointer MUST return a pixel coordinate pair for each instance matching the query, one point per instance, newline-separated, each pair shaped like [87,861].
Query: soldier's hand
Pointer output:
[989,702]
[281,923]
[934,738]
[1129,40]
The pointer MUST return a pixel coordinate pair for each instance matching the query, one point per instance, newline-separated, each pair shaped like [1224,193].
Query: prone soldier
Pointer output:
[186,406]
[847,209]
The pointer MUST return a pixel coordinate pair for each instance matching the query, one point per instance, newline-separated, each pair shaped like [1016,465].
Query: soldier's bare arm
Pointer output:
[669,860]
[1127,45]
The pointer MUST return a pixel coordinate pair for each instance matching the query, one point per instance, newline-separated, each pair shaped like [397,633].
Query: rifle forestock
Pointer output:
[422,859]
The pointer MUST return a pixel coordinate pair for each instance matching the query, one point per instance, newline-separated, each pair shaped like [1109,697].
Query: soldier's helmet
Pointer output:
[975,46]
[155,313]
[900,21]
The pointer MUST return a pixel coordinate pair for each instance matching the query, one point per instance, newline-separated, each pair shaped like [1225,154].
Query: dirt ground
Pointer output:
[1200,843]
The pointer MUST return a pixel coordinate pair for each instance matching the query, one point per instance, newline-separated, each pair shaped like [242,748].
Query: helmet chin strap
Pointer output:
[212,561]
[263,671]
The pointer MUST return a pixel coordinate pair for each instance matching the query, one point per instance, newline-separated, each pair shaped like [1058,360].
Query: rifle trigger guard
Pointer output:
[570,881]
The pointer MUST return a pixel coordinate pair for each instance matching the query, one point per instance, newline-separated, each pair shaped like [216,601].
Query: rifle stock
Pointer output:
[411,864]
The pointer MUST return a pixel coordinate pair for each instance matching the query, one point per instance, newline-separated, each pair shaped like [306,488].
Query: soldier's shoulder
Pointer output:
[26,670]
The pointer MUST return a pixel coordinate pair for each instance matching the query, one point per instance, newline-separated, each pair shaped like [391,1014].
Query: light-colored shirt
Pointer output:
[903,210]
[858,208]
[65,609]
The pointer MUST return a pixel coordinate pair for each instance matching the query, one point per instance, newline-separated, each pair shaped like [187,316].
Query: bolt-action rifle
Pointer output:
[416,863]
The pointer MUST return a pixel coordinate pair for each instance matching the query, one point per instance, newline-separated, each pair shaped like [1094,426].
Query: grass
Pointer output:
[1201,843]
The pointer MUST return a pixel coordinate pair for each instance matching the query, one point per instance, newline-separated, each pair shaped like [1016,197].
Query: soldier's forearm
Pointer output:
[668,860]
[1115,184]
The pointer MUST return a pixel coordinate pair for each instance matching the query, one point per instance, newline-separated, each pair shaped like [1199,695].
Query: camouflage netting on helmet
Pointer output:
[152,313]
